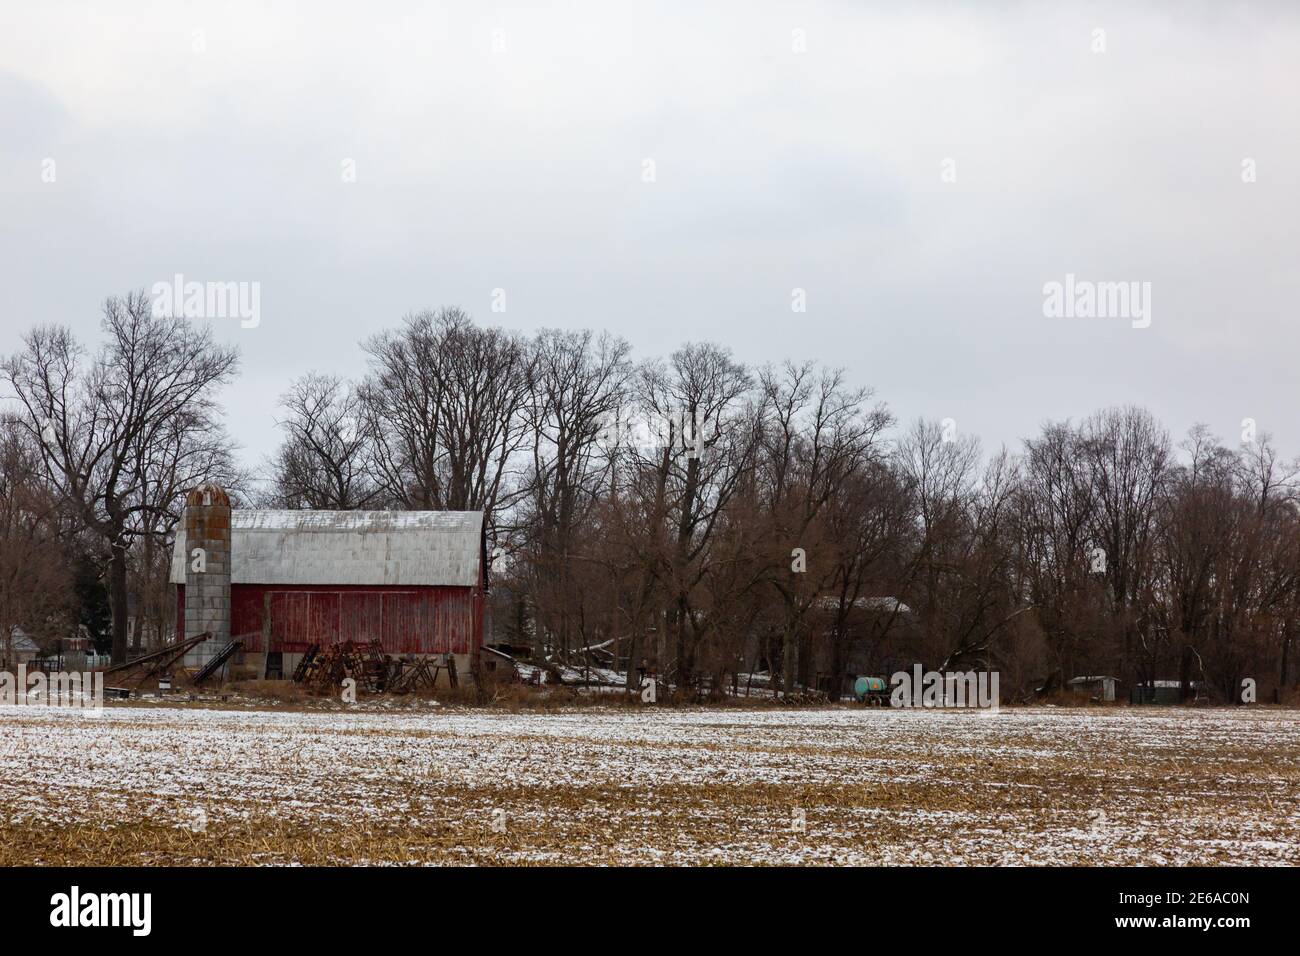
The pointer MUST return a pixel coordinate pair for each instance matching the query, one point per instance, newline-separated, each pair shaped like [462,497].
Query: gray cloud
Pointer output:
[523,170]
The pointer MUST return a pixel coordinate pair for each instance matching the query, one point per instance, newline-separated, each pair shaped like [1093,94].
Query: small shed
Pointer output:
[1102,688]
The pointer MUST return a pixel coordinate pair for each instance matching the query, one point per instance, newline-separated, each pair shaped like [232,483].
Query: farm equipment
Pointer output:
[872,691]
[305,665]
[409,674]
[211,667]
[375,672]
[155,665]
[415,673]
[364,663]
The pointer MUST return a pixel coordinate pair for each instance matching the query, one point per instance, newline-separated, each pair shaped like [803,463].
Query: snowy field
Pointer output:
[178,785]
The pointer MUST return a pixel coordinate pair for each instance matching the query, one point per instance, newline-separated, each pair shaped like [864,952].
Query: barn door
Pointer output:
[302,618]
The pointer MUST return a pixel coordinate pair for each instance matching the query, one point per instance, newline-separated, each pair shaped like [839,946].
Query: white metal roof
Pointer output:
[880,603]
[404,548]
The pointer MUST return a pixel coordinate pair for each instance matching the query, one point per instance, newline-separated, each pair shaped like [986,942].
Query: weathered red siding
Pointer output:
[405,620]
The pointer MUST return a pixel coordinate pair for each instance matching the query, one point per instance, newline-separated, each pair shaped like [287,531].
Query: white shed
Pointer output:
[1101,687]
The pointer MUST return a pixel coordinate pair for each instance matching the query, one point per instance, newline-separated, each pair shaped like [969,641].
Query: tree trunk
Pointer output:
[683,662]
[1285,669]
[117,596]
[1185,675]
[788,662]
[837,662]
[806,676]
[143,596]
[633,647]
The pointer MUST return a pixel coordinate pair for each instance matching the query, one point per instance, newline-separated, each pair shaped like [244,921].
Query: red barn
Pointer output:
[281,581]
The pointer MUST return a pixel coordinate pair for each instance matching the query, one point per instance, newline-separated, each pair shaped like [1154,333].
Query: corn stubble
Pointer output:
[592,787]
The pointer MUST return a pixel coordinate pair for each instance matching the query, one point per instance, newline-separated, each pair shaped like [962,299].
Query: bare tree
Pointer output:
[36,577]
[326,457]
[445,409]
[188,448]
[870,531]
[818,435]
[708,422]
[1128,457]
[1057,506]
[575,389]
[95,421]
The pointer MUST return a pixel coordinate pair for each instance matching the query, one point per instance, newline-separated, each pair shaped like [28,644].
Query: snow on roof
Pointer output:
[1090,680]
[881,603]
[403,548]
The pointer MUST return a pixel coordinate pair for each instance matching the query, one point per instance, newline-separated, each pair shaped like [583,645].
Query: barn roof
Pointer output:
[880,603]
[404,548]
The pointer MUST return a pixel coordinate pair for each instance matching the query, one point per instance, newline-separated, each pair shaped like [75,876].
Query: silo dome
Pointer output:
[207,495]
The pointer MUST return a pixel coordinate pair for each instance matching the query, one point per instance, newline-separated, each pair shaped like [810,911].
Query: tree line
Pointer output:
[687,514]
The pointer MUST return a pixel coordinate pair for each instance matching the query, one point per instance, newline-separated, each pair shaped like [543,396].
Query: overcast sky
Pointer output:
[794,146]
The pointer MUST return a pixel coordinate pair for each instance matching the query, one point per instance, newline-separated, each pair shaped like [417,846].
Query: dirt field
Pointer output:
[177,785]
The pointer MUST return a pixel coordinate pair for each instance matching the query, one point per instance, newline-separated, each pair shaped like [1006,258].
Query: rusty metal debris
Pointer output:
[329,668]
[408,674]
[305,665]
[411,674]
[211,667]
[374,671]
[155,665]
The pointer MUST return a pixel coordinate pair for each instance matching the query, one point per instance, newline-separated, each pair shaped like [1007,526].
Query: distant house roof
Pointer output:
[402,548]
[882,603]
[21,643]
